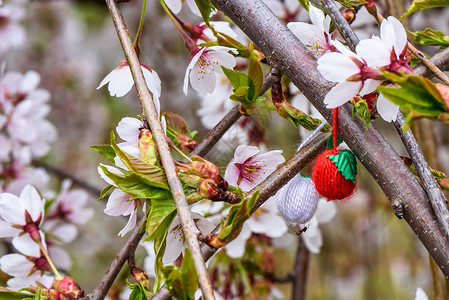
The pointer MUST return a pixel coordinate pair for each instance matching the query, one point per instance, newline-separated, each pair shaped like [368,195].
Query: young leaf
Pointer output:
[136,186]
[350,3]
[189,276]
[150,174]
[430,37]
[105,191]
[206,7]
[106,151]
[417,95]
[361,109]
[137,293]
[330,142]
[6,294]
[159,219]
[255,72]
[304,4]
[346,163]
[237,215]
[419,5]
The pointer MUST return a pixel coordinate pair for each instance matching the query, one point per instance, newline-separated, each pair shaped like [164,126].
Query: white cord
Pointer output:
[312,135]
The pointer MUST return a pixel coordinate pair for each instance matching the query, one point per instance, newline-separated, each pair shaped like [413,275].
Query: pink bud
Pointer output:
[298,200]
[68,288]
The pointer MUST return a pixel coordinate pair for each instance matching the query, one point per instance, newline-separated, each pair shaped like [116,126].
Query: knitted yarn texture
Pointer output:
[298,200]
[329,180]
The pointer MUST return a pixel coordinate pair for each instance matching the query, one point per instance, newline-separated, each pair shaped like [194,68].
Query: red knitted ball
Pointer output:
[329,181]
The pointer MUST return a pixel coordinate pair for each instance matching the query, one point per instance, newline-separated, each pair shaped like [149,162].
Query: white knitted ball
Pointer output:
[298,200]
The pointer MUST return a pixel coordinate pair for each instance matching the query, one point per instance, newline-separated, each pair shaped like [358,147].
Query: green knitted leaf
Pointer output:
[346,163]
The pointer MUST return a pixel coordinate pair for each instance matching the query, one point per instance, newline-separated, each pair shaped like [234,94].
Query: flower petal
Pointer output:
[32,202]
[128,129]
[15,264]
[342,93]
[378,58]
[337,67]
[25,244]
[387,109]
[131,223]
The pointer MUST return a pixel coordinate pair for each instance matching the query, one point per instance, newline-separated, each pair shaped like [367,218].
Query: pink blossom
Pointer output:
[22,214]
[315,36]
[69,206]
[248,168]
[12,35]
[203,65]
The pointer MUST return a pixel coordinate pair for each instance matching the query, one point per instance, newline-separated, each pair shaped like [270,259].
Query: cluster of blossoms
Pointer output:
[12,35]
[38,233]
[356,74]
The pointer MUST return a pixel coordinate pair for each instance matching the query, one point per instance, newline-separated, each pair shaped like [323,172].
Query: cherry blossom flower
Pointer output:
[265,220]
[352,72]
[69,206]
[248,168]
[203,65]
[12,35]
[120,81]
[175,237]
[22,214]
[24,108]
[316,36]
[120,203]
[28,269]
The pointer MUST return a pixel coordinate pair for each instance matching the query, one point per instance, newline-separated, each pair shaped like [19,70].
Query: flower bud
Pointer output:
[298,200]
[204,168]
[141,277]
[147,147]
[68,288]
[185,142]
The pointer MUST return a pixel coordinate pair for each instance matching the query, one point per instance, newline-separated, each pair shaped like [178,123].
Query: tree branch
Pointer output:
[287,53]
[300,271]
[150,114]
[128,248]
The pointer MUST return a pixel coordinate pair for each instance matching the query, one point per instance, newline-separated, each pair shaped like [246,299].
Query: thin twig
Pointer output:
[285,52]
[150,114]
[300,271]
[94,191]
[228,120]
[269,187]
[433,190]
[441,60]
[428,63]
[125,251]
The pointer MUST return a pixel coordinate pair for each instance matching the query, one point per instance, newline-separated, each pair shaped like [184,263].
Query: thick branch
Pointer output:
[125,251]
[150,114]
[288,54]
[300,271]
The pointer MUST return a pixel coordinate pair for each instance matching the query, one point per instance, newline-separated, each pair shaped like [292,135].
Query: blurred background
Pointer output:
[367,252]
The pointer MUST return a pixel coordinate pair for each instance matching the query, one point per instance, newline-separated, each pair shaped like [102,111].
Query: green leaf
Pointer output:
[159,219]
[417,95]
[437,174]
[152,175]
[419,5]
[238,79]
[105,191]
[238,214]
[6,294]
[350,3]
[430,37]
[255,73]
[136,186]
[188,275]
[206,7]
[106,151]
[137,293]
[346,163]
[182,283]
[330,142]
[361,109]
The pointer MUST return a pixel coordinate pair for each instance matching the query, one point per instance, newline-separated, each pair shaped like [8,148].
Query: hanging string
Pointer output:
[334,128]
